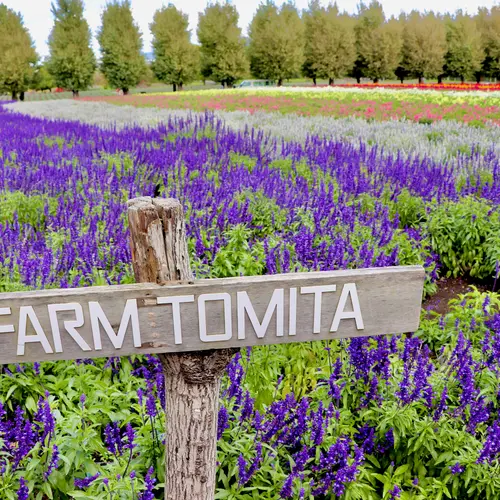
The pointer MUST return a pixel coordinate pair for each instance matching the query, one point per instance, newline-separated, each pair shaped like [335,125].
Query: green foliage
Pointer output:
[17,53]
[111,396]
[72,61]
[268,218]
[176,59]
[466,236]
[222,50]
[378,42]
[42,79]
[276,42]
[329,42]
[120,40]
[424,45]
[488,23]
[25,209]
[465,53]
[237,257]
[411,210]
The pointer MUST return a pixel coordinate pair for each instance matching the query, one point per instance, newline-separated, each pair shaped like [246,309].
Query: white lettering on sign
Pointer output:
[260,313]
[6,311]
[70,326]
[98,319]
[292,313]
[202,317]
[26,312]
[277,303]
[318,296]
[176,312]
[147,318]
[349,290]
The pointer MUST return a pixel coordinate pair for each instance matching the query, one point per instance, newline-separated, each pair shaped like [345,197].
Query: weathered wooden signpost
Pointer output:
[196,326]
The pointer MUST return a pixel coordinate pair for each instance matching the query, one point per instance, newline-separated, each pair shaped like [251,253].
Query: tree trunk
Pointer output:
[358,80]
[125,91]
[192,384]
[462,79]
[375,80]
[478,78]
[420,80]
[14,95]
[440,80]
[181,85]
[314,81]
[21,96]
[330,81]
[280,82]
[174,86]
[402,79]
[76,93]
[192,381]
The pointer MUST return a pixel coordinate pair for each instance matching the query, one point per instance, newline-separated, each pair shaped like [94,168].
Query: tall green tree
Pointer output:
[401,72]
[276,42]
[17,54]
[424,45]
[465,53]
[176,59]
[378,43]
[122,61]
[488,22]
[330,49]
[222,50]
[72,61]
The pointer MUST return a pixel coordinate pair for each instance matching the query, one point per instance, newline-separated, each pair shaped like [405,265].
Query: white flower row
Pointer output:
[439,94]
[441,141]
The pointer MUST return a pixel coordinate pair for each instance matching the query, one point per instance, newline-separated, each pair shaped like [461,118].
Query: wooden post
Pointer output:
[192,381]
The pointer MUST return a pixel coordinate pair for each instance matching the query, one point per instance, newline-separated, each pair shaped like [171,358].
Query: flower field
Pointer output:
[411,417]
[488,87]
[477,108]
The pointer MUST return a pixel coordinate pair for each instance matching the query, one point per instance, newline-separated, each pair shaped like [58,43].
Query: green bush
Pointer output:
[30,209]
[466,236]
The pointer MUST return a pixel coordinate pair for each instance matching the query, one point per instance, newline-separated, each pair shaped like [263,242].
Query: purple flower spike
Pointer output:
[23,491]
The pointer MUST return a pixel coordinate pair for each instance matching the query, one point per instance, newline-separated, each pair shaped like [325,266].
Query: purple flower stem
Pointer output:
[129,461]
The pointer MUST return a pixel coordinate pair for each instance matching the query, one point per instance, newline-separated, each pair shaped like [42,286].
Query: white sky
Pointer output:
[38,18]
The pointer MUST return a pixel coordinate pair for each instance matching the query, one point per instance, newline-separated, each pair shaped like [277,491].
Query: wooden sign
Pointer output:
[208,314]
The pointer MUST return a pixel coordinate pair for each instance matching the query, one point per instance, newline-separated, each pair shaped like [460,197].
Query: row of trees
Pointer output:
[282,43]
[324,43]
[72,62]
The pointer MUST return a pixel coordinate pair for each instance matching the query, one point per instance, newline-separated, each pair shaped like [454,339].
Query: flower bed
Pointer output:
[422,106]
[397,417]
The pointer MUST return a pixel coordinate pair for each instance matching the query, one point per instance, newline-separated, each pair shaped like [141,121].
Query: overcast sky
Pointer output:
[38,19]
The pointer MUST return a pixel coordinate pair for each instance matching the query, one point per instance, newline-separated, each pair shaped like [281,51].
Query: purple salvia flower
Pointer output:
[86,481]
[130,433]
[395,492]
[54,461]
[222,422]
[149,484]
[23,491]
[491,446]
[456,469]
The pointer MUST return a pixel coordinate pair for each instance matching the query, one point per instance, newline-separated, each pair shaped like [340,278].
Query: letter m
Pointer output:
[98,318]
[245,307]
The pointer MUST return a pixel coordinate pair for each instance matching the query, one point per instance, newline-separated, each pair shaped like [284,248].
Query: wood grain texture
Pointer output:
[390,300]
[192,381]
